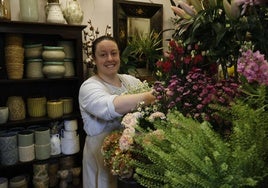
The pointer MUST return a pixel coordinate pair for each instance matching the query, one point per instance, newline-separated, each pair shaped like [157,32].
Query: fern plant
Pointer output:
[192,154]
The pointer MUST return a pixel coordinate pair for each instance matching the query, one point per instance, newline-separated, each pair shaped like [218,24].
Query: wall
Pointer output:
[99,11]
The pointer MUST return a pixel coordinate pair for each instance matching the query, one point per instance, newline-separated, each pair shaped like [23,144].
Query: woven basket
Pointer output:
[13,39]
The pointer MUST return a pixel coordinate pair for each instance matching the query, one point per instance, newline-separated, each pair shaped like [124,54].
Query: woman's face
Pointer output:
[107,58]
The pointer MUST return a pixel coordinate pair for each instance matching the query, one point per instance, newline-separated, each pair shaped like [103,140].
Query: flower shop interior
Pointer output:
[205,60]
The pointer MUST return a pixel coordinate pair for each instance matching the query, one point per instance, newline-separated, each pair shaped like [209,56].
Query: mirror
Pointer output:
[131,17]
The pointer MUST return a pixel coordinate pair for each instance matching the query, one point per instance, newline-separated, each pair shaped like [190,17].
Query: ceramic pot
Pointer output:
[67,105]
[34,68]
[17,109]
[25,138]
[42,136]
[54,108]
[33,51]
[73,13]
[53,53]
[54,13]
[54,69]
[18,182]
[36,106]
[68,48]
[3,114]
[55,144]
[69,68]
[26,153]
[3,182]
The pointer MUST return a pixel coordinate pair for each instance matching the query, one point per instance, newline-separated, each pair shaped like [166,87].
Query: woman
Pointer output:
[102,105]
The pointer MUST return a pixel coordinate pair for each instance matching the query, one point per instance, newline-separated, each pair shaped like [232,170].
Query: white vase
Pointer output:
[55,144]
[73,13]
[54,13]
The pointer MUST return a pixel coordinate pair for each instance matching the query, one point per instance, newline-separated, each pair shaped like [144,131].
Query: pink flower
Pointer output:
[129,120]
[125,142]
[155,115]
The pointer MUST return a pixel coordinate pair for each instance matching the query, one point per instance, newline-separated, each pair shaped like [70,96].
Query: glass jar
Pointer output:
[29,10]
[5,10]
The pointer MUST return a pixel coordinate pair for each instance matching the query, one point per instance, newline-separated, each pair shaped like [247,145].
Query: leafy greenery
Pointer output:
[192,154]
[142,49]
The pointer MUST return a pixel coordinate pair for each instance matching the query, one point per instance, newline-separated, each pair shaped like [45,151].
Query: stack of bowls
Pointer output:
[42,143]
[53,57]
[8,148]
[26,146]
[14,56]
[34,61]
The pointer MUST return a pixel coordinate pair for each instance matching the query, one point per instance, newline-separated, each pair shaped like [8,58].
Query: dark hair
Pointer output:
[98,40]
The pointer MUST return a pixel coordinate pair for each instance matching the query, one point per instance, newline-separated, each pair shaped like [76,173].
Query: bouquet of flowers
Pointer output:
[117,146]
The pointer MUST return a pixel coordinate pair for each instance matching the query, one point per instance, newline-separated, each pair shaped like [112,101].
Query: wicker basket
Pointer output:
[13,39]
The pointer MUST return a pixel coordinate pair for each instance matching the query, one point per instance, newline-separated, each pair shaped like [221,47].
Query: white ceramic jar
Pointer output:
[53,69]
[54,13]
[55,144]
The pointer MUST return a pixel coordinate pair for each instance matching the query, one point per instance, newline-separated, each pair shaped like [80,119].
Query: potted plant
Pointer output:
[142,51]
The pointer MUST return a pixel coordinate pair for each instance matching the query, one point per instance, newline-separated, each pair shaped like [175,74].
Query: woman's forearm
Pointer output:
[126,103]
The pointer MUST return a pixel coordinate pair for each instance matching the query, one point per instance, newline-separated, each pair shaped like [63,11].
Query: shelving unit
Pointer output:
[47,34]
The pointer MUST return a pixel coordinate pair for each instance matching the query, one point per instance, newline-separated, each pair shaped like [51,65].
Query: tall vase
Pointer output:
[73,13]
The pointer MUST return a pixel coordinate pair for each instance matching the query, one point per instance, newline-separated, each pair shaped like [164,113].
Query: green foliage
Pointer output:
[192,154]
[142,49]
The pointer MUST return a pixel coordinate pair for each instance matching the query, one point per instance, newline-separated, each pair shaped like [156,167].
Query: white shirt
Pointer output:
[96,103]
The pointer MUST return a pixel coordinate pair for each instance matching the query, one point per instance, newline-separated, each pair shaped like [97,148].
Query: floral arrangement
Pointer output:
[179,60]
[188,153]
[117,148]
[222,27]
